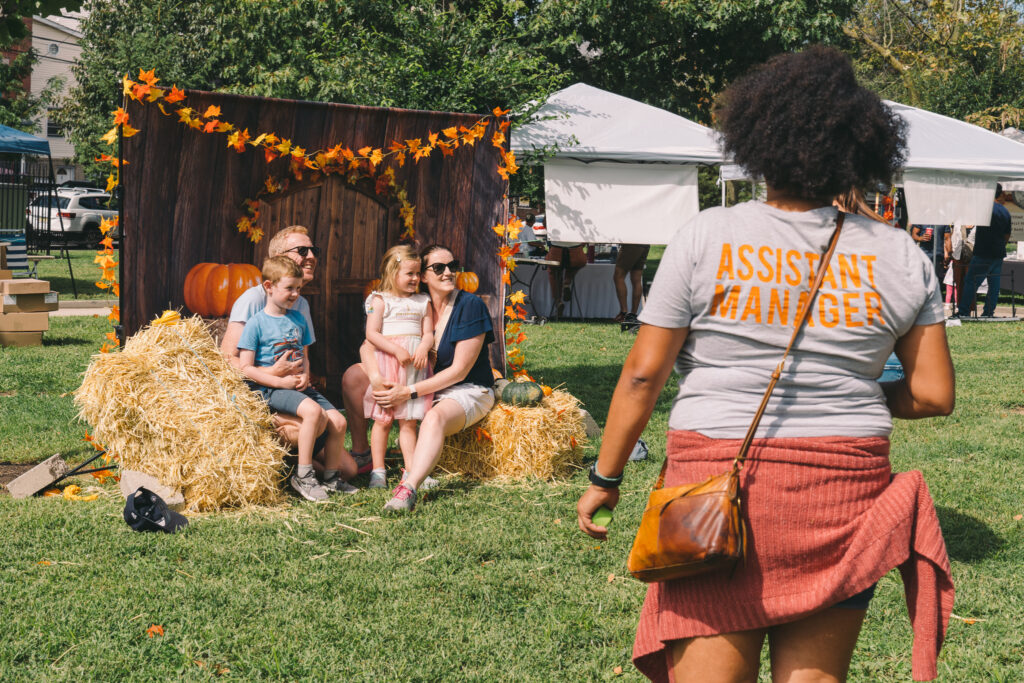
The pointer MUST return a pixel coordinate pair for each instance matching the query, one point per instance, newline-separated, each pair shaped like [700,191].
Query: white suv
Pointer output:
[76,214]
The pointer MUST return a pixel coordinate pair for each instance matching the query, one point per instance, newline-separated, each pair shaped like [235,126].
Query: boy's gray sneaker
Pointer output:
[403,499]
[339,485]
[378,480]
[309,488]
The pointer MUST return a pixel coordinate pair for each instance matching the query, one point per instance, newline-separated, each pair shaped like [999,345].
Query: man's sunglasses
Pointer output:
[439,268]
[303,251]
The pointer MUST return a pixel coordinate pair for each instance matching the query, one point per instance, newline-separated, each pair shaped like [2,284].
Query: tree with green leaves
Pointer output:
[961,58]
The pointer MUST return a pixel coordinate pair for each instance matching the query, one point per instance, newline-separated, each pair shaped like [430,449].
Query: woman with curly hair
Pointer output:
[826,516]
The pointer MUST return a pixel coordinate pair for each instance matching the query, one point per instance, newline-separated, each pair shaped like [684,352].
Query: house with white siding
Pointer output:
[56,40]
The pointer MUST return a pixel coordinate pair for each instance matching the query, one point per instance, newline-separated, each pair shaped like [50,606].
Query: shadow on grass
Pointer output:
[66,341]
[967,538]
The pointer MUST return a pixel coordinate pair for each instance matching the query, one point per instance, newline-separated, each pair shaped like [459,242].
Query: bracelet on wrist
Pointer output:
[412,393]
[604,482]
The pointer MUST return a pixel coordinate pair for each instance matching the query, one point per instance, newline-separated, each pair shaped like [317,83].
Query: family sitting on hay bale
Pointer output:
[265,341]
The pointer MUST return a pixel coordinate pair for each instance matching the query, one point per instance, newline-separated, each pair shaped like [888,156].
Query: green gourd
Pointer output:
[522,394]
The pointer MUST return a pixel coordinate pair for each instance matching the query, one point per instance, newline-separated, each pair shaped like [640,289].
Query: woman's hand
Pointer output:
[392,395]
[589,502]
[303,381]
[419,360]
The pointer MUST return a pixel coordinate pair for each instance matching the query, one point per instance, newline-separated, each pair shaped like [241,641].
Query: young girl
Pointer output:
[399,327]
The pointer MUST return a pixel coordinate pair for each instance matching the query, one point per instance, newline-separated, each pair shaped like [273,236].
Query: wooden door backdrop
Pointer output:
[183,193]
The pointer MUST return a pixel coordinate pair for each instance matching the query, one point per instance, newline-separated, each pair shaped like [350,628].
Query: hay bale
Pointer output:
[544,441]
[169,405]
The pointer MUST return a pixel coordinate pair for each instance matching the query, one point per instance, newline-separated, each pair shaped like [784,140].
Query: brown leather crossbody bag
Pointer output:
[696,528]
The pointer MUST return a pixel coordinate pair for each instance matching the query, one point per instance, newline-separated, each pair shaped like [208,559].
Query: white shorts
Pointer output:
[474,400]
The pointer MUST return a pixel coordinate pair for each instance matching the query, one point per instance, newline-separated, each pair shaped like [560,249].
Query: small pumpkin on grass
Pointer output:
[523,394]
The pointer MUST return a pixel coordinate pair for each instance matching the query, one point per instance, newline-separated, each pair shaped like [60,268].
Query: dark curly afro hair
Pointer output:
[803,123]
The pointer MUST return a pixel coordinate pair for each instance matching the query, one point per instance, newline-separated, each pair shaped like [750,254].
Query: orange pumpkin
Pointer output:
[467,281]
[211,288]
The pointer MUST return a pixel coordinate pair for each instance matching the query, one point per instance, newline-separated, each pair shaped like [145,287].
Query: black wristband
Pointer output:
[413,394]
[604,482]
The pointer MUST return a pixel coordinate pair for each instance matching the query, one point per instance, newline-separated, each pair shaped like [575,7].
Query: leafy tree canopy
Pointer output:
[961,58]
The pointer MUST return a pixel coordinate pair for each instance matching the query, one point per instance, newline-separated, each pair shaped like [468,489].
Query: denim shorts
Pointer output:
[288,400]
[860,600]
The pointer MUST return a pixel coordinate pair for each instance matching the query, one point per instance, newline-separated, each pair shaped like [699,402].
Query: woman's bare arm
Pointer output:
[928,386]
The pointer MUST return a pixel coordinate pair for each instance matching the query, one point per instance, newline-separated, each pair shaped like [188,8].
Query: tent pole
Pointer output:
[64,235]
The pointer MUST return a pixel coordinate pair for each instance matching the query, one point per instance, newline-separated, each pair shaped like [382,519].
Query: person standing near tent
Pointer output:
[934,241]
[630,261]
[826,517]
[987,263]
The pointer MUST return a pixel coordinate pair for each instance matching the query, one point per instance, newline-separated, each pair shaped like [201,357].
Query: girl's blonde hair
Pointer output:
[391,262]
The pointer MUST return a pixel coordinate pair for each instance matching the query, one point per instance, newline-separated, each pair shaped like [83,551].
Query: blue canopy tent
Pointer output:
[15,189]
[18,142]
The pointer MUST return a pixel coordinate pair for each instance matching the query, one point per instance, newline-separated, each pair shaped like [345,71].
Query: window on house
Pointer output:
[53,128]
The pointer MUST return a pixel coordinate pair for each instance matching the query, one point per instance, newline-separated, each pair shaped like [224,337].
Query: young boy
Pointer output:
[271,333]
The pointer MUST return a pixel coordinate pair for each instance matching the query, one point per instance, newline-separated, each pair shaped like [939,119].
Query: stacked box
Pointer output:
[25,311]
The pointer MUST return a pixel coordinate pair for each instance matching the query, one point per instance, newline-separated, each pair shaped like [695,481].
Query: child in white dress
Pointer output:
[399,326]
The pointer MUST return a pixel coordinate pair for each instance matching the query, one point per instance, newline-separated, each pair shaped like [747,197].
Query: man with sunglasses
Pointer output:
[293,242]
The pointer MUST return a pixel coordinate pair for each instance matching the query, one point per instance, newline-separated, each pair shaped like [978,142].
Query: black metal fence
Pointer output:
[29,205]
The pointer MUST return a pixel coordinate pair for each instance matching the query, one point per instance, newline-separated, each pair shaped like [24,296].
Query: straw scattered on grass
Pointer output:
[169,405]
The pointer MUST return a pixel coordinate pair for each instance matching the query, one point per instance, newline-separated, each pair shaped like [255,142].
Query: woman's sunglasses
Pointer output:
[439,268]
[303,251]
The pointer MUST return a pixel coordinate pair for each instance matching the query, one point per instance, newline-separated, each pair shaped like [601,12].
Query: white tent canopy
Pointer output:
[623,171]
[952,167]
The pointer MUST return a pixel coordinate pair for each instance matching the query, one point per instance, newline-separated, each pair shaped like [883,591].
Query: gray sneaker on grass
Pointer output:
[339,485]
[378,480]
[309,488]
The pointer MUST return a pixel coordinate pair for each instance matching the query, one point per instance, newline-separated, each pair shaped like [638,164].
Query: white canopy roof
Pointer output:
[610,127]
[937,142]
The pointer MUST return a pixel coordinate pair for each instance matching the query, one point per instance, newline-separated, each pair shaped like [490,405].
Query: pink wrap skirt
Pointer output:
[826,520]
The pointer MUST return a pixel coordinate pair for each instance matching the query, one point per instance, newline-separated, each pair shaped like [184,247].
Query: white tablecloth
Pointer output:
[594,296]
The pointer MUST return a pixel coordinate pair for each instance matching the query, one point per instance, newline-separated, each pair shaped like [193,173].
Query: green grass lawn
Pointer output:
[85,272]
[481,583]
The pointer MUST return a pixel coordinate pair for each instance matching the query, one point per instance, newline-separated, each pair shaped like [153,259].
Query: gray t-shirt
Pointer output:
[254,300]
[735,275]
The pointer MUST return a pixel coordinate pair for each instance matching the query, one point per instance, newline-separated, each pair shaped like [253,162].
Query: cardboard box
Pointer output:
[28,303]
[21,338]
[6,274]
[25,286]
[24,322]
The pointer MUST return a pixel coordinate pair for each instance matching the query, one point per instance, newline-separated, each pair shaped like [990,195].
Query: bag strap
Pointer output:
[802,315]
[826,258]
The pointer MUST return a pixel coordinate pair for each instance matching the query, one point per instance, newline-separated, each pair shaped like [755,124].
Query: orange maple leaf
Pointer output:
[120,116]
[148,76]
[139,91]
[506,277]
[155,630]
[499,112]
[451,132]
[482,434]
[175,95]
[211,112]
[210,126]
[127,131]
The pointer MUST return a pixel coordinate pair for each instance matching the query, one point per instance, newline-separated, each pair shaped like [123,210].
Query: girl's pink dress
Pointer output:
[403,325]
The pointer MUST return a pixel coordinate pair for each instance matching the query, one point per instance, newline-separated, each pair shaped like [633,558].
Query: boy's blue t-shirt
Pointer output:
[271,336]
[469,318]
